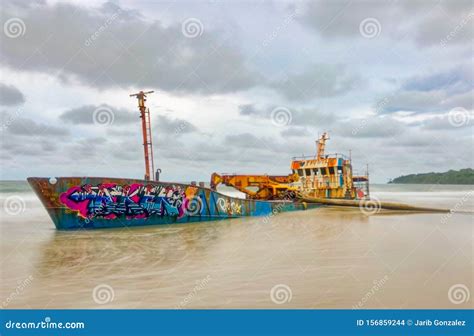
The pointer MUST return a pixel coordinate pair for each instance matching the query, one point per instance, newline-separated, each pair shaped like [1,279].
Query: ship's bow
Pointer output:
[48,193]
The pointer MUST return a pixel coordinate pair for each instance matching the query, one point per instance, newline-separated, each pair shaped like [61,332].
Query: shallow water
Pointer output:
[323,258]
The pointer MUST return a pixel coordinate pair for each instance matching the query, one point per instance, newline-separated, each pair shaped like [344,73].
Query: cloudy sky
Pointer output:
[240,86]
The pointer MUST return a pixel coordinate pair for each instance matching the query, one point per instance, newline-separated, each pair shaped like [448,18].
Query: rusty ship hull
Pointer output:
[95,202]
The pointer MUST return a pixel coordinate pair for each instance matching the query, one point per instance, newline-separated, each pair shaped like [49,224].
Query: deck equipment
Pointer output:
[262,187]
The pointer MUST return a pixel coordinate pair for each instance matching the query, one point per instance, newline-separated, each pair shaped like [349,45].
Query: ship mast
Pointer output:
[146,131]
[321,144]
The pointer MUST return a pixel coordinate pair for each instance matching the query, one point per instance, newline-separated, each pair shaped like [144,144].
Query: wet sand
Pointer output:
[323,258]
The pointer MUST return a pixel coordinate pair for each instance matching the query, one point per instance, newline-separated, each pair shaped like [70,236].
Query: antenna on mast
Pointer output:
[146,130]
[321,145]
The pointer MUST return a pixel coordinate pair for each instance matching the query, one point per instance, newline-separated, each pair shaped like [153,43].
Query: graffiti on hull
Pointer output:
[229,207]
[134,201]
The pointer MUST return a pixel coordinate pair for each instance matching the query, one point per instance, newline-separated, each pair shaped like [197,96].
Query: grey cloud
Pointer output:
[120,132]
[85,149]
[196,152]
[295,132]
[450,22]
[49,146]
[341,18]
[248,140]
[412,101]
[460,100]
[10,95]
[444,123]
[235,153]
[17,146]
[371,127]
[244,149]
[310,117]
[16,125]
[115,47]
[128,150]
[435,92]
[455,80]
[174,126]
[29,151]
[248,110]
[90,114]
[412,141]
[422,101]
[252,110]
[428,23]
[318,80]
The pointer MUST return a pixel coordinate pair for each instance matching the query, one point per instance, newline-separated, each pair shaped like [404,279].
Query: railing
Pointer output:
[328,156]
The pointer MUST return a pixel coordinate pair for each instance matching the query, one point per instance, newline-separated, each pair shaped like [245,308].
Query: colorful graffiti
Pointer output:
[134,201]
[229,207]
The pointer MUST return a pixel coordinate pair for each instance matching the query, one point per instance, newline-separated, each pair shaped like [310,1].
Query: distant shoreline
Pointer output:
[453,177]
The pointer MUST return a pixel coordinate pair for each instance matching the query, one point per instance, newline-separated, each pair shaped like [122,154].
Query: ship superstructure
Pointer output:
[327,175]
[321,175]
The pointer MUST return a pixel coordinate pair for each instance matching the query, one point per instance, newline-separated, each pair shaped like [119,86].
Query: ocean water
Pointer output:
[323,258]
